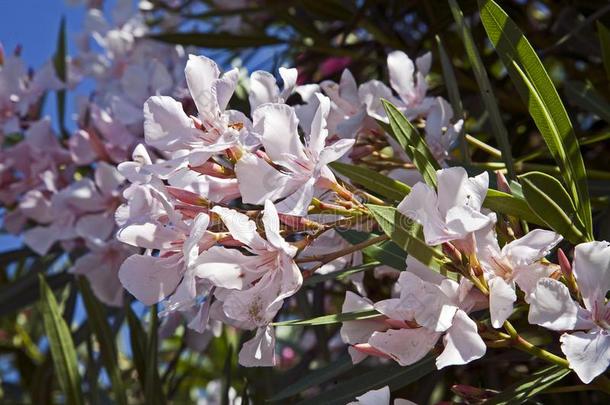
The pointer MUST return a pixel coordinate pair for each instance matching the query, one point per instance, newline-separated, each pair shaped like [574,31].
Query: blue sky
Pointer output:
[33,24]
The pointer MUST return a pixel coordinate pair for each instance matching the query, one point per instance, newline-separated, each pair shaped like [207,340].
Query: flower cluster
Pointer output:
[197,183]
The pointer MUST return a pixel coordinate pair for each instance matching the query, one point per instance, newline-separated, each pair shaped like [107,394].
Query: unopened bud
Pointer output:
[564,263]
[187,197]
[502,182]
[452,253]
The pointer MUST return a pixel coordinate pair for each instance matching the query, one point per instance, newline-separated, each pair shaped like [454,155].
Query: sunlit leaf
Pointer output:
[61,345]
[537,90]
[373,181]
[529,386]
[331,319]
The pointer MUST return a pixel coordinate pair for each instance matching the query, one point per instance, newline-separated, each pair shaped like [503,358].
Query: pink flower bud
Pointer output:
[564,263]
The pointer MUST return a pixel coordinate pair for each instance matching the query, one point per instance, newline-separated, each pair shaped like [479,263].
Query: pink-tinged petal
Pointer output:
[422,271]
[431,307]
[420,205]
[423,63]
[501,299]
[531,247]
[107,178]
[83,196]
[263,89]
[271,222]
[148,235]
[34,205]
[454,189]
[354,332]
[587,353]
[224,88]
[591,268]
[259,181]
[240,227]
[166,125]
[150,279]
[356,355]
[260,350]
[401,70]
[298,202]
[256,306]
[103,278]
[318,130]
[200,73]
[335,151]
[527,277]
[393,309]
[95,227]
[200,321]
[374,397]
[371,94]
[279,131]
[462,343]
[40,239]
[552,307]
[190,249]
[81,148]
[462,220]
[222,267]
[405,346]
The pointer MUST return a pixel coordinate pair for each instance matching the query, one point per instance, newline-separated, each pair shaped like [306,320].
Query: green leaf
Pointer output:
[537,90]
[487,94]
[531,385]
[385,252]
[59,62]
[453,92]
[405,233]
[421,162]
[587,98]
[604,40]
[508,204]
[153,392]
[331,319]
[550,201]
[409,138]
[61,345]
[137,339]
[315,378]
[373,181]
[99,325]
[340,274]
[217,41]
[393,375]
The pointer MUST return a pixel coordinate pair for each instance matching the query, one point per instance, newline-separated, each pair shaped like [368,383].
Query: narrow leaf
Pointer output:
[100,326]
[487,94]
[392,375]
[537,90]
[61,345]
[404,232]
[59,62]
[373,181]
[510,205]
[531,385]
[454,94]
[315,378]
[386,252]
[137,339]
[409,138]
[340,274]
[550,201]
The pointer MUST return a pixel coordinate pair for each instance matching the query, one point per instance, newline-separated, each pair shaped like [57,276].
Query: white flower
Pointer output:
[587,344]
[303,166]
[452,213]
[518,262]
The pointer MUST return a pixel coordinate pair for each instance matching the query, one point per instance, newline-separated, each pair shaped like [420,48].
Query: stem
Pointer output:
[482,145]
[323,259]
[520,343]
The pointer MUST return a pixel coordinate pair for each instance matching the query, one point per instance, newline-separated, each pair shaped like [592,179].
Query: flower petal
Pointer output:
[587,353]
[591,268]
[405,346]
[150,279]
[462,342]
[501,299]
[260,350]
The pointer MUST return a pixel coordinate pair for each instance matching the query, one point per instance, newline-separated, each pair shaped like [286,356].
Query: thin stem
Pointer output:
[520,343]
[483,146]
[323,259]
